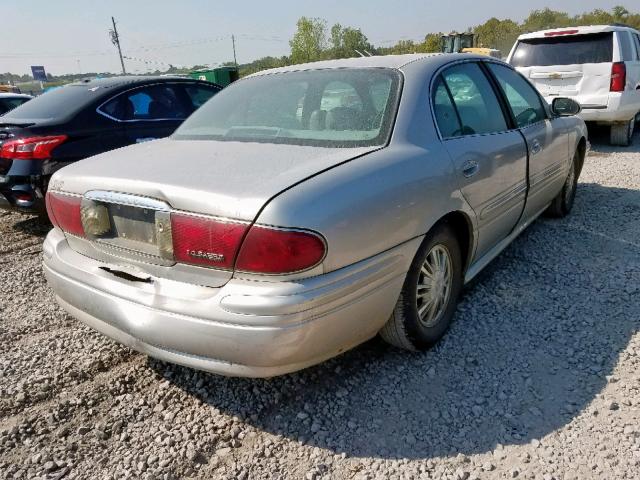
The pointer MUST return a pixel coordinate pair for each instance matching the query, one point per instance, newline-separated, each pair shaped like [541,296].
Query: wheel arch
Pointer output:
[462,226]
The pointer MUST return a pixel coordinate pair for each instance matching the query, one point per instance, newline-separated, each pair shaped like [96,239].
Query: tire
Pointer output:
[406,328]
[563,203]
[621,133]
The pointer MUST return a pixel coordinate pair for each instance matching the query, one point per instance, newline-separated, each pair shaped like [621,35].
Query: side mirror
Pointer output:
[565,107]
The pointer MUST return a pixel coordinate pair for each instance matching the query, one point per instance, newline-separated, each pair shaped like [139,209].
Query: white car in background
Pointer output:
[598,66]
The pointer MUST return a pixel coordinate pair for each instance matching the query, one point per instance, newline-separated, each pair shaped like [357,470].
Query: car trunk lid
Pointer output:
[137,189]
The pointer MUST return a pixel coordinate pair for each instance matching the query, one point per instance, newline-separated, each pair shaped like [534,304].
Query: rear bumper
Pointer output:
[20,194]
[245,328]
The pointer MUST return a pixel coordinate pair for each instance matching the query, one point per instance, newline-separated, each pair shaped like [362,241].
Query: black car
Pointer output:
[83,119]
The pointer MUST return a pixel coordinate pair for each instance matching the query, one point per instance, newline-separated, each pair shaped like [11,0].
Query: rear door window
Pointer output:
[474,99]
[155,102]
[636,40]
[564,50]
[524,102]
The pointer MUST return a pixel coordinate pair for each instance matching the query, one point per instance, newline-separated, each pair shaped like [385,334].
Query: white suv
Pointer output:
[598,66]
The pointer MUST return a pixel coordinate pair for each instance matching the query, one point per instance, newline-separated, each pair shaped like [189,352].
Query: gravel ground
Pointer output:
[538,377]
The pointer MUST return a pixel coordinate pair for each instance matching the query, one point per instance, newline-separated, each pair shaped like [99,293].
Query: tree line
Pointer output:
[314,40]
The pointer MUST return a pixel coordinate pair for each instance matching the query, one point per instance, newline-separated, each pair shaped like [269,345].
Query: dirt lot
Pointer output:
[539,376]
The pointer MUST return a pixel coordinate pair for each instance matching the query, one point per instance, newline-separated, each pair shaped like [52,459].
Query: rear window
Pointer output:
[332,108]
[569,50]
[58,103]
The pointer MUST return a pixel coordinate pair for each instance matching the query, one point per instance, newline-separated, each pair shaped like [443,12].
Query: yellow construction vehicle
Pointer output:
[466,43]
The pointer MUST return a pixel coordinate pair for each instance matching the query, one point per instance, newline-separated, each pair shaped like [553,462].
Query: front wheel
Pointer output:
[429,295]
[563,203]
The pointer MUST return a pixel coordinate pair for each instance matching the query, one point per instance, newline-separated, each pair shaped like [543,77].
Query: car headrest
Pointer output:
[343,118]
[317,120]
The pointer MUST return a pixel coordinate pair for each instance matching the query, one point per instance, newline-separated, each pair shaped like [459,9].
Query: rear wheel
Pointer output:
[621,133]
[429,295]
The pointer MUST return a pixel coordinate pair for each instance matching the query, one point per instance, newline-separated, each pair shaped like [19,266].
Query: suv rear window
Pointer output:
[570,50]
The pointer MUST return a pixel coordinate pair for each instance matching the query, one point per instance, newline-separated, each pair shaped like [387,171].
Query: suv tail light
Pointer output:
[211,242]
[31,148]
[269,250]
[64,212]
[618,77]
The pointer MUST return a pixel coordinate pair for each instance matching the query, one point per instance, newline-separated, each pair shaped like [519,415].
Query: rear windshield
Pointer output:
[570,50]
[58,103]
[332,108]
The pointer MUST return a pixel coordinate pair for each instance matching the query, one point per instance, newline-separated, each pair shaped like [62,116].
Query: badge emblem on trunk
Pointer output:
[212,257]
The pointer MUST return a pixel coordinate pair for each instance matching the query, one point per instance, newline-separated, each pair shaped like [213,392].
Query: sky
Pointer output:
[71,36]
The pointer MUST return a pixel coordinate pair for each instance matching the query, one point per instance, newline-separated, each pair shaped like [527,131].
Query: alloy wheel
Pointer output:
[434,285]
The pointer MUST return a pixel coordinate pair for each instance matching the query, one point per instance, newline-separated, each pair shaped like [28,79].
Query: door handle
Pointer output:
[535,147]
[470,168]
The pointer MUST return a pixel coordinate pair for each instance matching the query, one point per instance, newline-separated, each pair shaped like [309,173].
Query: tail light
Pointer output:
[64,212]
[268,250]
[31,148]
[206,241]
[618,77]
[217,243]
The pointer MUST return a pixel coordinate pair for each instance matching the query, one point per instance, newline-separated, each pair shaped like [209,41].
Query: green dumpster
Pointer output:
[222,75]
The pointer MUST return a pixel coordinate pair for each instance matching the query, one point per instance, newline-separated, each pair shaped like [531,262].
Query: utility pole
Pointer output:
[233,40]
[115,39]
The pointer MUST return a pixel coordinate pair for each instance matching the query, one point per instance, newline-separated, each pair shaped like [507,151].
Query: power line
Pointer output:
[186,43]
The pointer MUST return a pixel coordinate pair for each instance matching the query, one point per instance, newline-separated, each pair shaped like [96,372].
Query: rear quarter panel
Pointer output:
[380,200]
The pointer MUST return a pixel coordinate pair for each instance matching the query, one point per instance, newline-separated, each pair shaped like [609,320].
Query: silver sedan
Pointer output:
[304,210]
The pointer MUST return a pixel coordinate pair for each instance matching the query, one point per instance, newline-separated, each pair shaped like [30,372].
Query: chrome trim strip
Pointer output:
[127,199]
[545,175]
[504,198]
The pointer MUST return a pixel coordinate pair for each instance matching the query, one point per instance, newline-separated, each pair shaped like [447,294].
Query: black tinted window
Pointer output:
[564,50]
[7,104]
[474,99]
[156,102]
[445,112]
[522,98]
